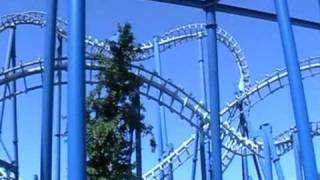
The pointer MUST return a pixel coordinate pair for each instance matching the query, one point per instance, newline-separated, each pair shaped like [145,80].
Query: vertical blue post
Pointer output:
[275,158]
[159,120]
[58,119]
[296,89]
[244,159]
[267,165]
[195,157]
[14,104]
[214,99]
[35,177]
[257,167]
[136,101]
[297,157]
[47,93]
[76,92]
[204,98]
[11,61]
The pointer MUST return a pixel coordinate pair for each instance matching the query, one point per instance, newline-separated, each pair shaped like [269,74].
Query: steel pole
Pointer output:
[214,97]
[14,106]
[204,98]
[267,165]
[297,92]
[244,132]
[195,156]
[76,92]
[47,92]
[160,119]
[58,120]
[275,158]
[297,157]
[136,103]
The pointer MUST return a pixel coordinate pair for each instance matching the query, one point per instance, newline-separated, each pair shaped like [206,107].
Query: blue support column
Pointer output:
[47,93]
[267,164]
[275,158]
[296,89]
[35,177]
[204,98]
[195,157]
[244,132]
[214,97]
[14,105]
[136,102]
[76,92]
[257,167]
[299,171]
[160,148]
[58,118]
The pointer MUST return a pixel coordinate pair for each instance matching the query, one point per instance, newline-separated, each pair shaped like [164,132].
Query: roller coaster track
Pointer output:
[177,100]
[272,83]
[168,40]
[233,141]
[180,102]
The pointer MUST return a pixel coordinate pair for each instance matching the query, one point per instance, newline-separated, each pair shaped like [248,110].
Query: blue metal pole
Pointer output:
[136,102]
[76,92]
[47,93]
[244,132]
[297,92]
[35,177]
[214,99]
[59,103]
[160,148]
[204,98]
[195,157]
[275,157]
[14,108]
[297,157]
[257,167]
[267,165]
[159,121]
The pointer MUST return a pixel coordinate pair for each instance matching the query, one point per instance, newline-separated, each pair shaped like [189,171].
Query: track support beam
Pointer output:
[47,93]
[214,95]
[203,86]
[76,92]
[296,90]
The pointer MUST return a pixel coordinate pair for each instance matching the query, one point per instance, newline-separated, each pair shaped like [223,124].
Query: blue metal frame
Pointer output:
[214,96]
[203,85]
[160,148]
[267,163]
[14,107]
[59,116]
[47,93]
[296,90]
[297,157]
[76,92]
[225,8]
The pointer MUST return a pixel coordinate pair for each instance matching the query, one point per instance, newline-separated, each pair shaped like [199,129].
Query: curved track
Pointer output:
[177,100]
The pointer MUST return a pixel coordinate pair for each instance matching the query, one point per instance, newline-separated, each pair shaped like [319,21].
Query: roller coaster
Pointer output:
[236,135]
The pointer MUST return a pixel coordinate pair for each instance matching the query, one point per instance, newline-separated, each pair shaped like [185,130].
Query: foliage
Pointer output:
[113,113]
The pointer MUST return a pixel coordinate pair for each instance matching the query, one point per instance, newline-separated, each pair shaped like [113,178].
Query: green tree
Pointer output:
[113,116]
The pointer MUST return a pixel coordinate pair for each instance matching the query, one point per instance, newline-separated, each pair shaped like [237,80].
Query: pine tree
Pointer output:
[113,116]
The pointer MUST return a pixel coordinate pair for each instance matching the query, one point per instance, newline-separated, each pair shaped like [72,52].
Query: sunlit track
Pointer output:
[35,67]
[168,40]
[165,93]
[180,102]
[177,95]
[284,141]
[309,67]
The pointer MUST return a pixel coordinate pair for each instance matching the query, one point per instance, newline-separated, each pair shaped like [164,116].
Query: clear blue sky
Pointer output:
[259,40]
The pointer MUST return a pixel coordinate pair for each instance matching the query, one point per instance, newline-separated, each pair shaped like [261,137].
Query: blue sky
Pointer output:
[259,40]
